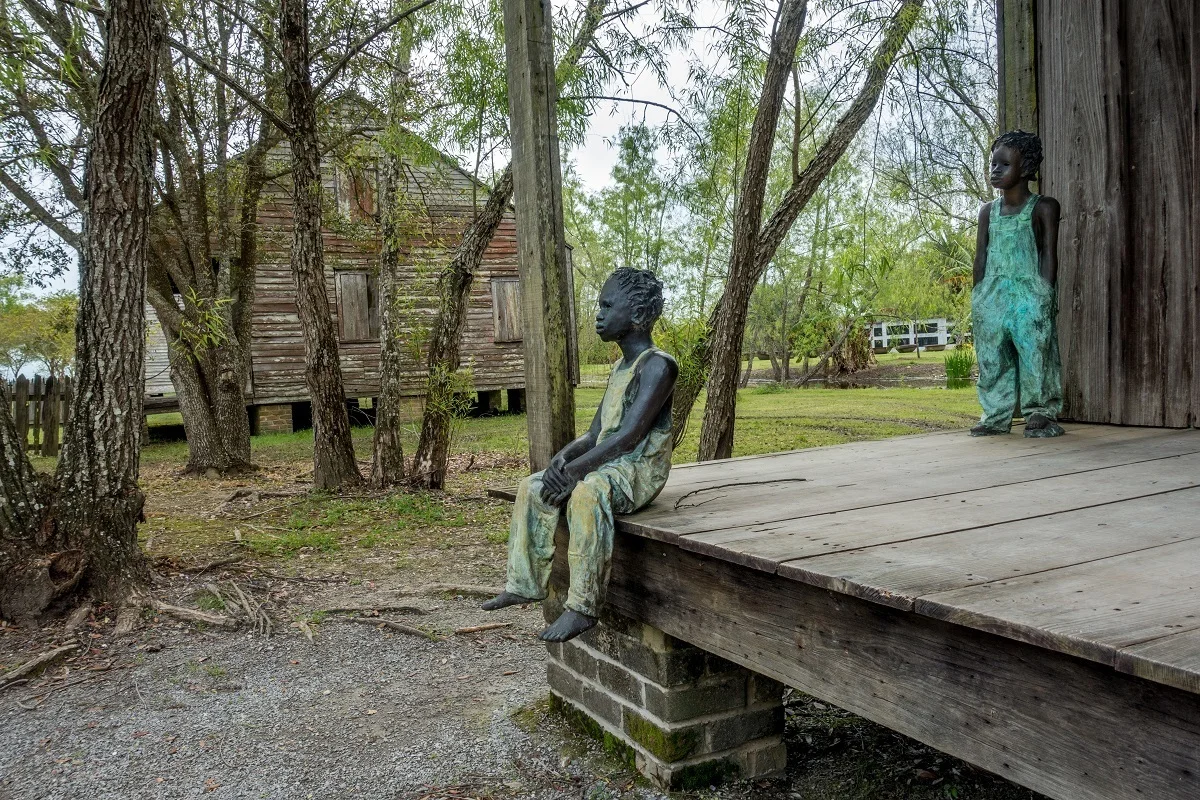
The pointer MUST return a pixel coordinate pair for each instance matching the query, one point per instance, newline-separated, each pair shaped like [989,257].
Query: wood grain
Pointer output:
[1056,724]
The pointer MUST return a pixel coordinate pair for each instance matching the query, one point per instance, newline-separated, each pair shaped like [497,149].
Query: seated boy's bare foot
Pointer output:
[984,430]
[1039,426]
[504,600]
[569,625]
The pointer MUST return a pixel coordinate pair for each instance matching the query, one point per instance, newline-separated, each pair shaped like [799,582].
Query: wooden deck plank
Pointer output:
[897,574]
[1172,660]
[1091,610]
[831,485]
[976,512]
[1056,724]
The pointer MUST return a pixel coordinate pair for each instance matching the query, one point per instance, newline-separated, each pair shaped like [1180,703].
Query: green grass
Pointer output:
[769,419]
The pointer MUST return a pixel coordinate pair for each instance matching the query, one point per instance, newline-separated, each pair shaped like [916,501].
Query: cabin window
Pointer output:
[506,309]
[357,307]
[355,192]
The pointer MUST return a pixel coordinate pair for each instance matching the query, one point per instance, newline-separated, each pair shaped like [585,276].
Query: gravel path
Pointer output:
[358,712]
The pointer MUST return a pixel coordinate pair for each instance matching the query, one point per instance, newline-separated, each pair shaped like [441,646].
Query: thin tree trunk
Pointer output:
[334,466]
[716,435]
[753,248]
[454,288]
[749,369]
[387,457]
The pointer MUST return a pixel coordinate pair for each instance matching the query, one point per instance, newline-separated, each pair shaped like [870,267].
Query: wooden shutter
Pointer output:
[506,309]
[354,306]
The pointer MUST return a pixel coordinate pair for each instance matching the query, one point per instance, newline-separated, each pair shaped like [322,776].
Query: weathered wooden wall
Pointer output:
[1117,86]
[443,201]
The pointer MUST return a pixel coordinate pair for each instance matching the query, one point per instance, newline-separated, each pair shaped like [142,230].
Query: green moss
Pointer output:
[666,745]
[705,774]
[584,724]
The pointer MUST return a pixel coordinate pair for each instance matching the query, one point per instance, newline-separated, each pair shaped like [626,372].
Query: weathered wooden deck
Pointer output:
[1030,606]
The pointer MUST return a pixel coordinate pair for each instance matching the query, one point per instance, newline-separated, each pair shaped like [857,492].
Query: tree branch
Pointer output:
[365,41]
[238,89]
[664,107]
[39,211]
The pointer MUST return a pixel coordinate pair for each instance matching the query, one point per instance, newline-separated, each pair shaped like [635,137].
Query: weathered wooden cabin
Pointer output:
[1113,88]
[440,202]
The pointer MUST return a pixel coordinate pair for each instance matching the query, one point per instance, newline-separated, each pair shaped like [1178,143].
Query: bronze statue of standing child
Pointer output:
[617,467]
[1013,302]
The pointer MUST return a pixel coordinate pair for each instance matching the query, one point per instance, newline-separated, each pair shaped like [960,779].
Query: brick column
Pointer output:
[684,718]
[273,419]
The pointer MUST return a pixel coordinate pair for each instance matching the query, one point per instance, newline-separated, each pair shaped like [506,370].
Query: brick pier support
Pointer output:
[273,418]
[683,717]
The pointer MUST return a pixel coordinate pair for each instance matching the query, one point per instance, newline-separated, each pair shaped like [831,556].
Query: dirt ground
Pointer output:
[406,702]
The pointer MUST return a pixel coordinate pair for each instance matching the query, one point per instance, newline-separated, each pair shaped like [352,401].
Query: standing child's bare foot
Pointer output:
[569,625]
[504,600]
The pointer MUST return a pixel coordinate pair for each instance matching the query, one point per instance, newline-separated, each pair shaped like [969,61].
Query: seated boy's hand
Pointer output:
[557,482]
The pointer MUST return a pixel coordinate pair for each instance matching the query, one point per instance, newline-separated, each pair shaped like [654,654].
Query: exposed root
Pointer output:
[220,562]
[467,590]
[34,664]
[399,627]
[78,617]
[193,615]
[376,610]
[491,626]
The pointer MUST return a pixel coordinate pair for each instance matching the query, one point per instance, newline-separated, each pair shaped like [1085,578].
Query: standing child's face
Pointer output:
[1006,167]
[615,317]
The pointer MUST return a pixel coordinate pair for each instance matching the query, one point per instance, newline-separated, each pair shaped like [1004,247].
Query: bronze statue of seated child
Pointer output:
[617,467]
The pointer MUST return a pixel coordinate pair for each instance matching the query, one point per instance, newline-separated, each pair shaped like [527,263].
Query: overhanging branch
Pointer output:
[365,41]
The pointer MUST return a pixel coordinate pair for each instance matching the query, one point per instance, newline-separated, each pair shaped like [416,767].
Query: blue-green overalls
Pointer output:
[1013,320]
[620,486]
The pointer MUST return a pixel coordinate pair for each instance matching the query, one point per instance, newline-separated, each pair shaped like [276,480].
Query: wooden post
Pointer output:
[541,242]
[1016,43]
[35,407]
[50,417]
[21,410]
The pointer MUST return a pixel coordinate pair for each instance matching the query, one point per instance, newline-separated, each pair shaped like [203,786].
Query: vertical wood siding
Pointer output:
[1117,97]
[443,201]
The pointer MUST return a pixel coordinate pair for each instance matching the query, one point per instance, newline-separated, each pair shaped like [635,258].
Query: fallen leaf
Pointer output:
[210,785]
[510,672]
[371,711]
[139,734]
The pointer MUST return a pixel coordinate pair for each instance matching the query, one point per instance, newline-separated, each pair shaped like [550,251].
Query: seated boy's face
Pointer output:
[615,317]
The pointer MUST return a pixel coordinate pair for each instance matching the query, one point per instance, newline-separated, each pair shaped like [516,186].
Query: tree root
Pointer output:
[491,626]
[192,615]
[34,664]
[399,627]
[467,590]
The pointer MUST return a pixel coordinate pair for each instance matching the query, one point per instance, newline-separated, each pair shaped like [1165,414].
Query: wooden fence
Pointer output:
[40,408]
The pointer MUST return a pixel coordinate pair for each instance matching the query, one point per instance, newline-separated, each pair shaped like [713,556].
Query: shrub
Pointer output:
[960,363]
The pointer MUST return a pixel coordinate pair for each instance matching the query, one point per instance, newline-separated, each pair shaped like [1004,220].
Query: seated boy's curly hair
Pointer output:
[1029,145]
[645,291]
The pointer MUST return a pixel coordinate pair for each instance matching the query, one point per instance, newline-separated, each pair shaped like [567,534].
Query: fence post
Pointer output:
[21,410]
[50,402]
[35,402]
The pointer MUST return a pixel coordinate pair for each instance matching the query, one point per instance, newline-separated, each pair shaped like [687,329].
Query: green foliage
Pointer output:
[960,363]
[206,326]
[37,330]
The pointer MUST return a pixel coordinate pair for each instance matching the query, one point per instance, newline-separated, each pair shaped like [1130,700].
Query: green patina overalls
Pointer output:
[620,486]
[1013,310]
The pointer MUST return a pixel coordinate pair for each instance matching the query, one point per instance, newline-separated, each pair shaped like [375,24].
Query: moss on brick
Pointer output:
[666,745]
[584,724]
[703,775]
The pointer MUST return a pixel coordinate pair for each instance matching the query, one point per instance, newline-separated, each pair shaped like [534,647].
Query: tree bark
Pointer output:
[91,538]
[334,466]
[454,290]
[753,248]
[716,435]
[387,458]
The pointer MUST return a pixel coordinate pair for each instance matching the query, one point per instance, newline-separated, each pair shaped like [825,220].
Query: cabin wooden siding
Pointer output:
[1118,109]
[442,203]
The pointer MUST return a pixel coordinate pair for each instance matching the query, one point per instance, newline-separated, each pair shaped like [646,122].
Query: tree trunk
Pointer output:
[334,466]
[85,534]
[716,436]
[387,458]
[454,289]
[749,369]
[753,248]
